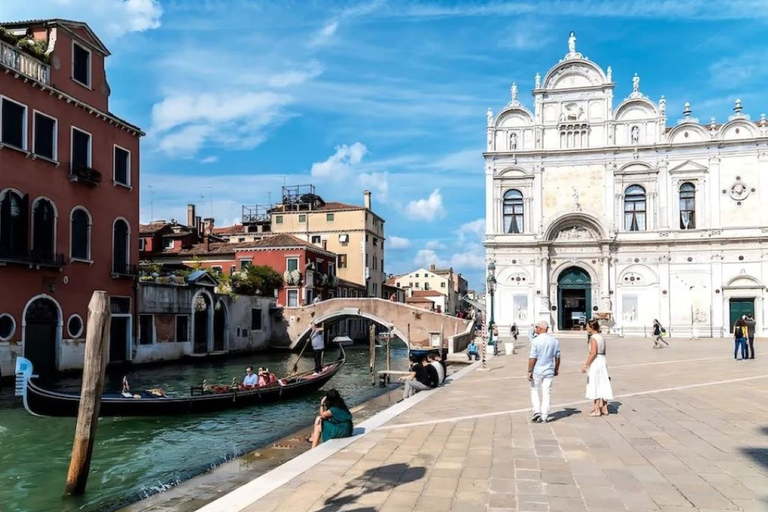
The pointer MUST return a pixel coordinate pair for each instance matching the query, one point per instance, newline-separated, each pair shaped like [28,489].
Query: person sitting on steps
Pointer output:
[472,351]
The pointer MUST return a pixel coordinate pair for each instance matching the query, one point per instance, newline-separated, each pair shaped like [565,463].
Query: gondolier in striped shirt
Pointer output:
[318,345]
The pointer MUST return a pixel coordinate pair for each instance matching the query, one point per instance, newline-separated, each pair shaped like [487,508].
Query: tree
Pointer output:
[256,280]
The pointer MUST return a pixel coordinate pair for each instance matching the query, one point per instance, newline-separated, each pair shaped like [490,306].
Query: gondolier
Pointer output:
[318,345]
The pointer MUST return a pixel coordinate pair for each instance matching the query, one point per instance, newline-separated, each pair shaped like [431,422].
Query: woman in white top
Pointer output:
[598,383]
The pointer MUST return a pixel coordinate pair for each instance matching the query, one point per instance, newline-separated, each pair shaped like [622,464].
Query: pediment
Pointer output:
[687,167]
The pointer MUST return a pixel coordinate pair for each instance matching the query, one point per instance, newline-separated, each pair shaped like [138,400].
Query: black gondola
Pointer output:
[44,402]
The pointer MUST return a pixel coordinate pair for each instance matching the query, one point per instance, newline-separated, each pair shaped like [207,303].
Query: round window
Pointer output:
[75,326]
[7,327]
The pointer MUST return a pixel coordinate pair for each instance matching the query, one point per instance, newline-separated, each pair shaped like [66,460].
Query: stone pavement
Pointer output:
[689,432]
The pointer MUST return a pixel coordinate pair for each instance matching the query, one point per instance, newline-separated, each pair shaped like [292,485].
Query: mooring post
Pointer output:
[96,337]
[389,356]
[372,336]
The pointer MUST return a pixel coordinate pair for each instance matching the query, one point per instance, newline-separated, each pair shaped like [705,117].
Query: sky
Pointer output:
[241,97]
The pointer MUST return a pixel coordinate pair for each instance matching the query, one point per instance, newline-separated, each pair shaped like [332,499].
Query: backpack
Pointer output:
[739,331]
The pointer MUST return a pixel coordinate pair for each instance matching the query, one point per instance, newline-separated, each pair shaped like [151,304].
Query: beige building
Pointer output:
[354,233]
[433,279]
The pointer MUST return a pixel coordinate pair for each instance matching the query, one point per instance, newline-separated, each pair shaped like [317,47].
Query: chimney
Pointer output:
[199,226]
[207,243]
[432,267]
[191,216]
[208,226]
[367,199]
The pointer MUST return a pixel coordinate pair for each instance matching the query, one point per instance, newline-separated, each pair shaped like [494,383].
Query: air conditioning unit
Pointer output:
[344,238]
[367,273]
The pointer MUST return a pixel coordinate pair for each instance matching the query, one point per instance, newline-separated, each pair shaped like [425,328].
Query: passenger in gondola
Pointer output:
[263,377]
[250,379]
[334,420]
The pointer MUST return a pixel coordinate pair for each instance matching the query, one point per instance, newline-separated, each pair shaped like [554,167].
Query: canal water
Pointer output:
[136,457]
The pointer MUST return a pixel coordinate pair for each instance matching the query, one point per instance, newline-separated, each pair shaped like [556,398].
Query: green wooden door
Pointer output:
[570,280]
[739,307]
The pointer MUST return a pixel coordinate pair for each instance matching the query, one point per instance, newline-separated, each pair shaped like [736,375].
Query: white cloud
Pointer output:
[427,209]
[338,166]
[184,123]
[473,230]
[377,183]
[434,244]
[209,160]
[325,34]
[396,243]
[110,19]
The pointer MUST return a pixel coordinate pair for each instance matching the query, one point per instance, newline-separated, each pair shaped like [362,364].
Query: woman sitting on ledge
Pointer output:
[334,421]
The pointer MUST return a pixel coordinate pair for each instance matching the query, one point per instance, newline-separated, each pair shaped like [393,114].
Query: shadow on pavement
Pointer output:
[613,407]
[383,478]
[559,415]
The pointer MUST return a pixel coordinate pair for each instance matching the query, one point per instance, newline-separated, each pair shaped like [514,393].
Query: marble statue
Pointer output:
[572,42]
[636,83]
[663,106]
[635,134]
[513,140]
[489,117]
[609,74]
[537,81]
[513,92]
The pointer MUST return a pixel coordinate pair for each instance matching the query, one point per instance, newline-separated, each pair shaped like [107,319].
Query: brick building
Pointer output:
[69,202]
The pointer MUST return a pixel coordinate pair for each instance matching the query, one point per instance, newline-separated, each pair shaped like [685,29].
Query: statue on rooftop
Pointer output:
[572,42]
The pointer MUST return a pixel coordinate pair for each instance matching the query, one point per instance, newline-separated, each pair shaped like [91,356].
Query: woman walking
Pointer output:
[740,338]
[598,383]
[658,334]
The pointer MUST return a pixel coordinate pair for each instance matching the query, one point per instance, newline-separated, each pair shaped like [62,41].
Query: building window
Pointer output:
[278,219]
[43,229]
[331,269]
[292,264]
[142,244]
[120,247]
[342,261]
[217,269]
[293,298]
[81,149]
[146,329]
[513,211]
[329,217]
[316,239]
[375,290]
[634,208]
[122,166]
[375,241]
[75,326]
[344,238]
[255,319]
[13,224]
[442,285]
[375,263]
[44,140]
[241,239]
[81,65]
[168,244]
[426,286]
[687,206]
[80,235]
[302,218]
[416,275]
[245,263]
[13,129]
[7,327]
[182,328]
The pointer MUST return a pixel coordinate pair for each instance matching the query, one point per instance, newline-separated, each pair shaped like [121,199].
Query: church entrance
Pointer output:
[574,298]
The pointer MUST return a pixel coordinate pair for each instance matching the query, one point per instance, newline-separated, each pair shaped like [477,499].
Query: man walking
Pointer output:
[750,335]
[543,367]
[318,345]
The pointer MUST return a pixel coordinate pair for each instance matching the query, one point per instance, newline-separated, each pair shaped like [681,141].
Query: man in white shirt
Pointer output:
[251,379]
[543,367]
[318,345]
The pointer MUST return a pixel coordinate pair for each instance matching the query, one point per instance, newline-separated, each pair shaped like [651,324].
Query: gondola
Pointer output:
[201,399]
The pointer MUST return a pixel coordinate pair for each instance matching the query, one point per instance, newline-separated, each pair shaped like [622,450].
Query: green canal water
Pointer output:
[136,457]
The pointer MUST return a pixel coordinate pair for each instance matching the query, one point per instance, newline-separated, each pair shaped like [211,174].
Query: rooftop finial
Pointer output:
[636,83]
[609,73]
[663,105]
[537,80]
[489,116]
[513,92]
[687,110]
[737,108]
[572,42]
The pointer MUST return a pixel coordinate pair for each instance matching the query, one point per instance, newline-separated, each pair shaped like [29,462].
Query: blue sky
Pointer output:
[238,97]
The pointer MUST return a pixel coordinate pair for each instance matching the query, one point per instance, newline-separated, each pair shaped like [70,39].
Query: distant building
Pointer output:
[69,196]
[440,281]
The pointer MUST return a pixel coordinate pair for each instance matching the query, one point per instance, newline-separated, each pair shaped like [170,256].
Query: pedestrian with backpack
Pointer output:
[658,335]
[740,339]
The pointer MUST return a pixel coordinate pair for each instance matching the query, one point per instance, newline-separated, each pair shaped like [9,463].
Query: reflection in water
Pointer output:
[135,457]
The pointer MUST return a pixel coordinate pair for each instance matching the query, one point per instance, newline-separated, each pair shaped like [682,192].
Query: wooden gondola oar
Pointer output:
[296,366]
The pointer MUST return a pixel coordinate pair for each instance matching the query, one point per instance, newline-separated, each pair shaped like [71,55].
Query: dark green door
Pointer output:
[739,307]
[574,298]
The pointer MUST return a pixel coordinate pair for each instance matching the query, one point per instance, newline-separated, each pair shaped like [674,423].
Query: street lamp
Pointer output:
[491,288]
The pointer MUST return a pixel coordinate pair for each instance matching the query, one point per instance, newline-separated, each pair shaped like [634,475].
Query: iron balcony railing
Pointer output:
[23,63]
[32,258]
[89,176]
[125,270]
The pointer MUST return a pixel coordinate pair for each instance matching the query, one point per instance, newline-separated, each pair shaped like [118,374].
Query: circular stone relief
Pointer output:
[7,327]
[75,326]
[739,191]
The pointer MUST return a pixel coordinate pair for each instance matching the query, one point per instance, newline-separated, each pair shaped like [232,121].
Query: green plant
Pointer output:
[256,280]
[8,36]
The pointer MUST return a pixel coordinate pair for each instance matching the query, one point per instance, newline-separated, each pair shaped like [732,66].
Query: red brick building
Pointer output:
[69,201]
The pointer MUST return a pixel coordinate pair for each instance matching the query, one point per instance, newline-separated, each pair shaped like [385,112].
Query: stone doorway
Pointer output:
[574,299]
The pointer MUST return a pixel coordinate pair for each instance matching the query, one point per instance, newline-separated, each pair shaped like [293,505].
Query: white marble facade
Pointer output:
[614,211]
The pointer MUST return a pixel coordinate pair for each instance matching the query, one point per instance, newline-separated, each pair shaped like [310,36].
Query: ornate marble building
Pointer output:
[601,210]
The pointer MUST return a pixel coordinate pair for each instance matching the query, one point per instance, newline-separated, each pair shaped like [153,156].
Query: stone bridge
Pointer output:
[410,324]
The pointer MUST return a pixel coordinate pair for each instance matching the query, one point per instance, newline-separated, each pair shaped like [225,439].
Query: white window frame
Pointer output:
[154,333]
[116,183]
[176,329]
[24,127]
[127,244]
[72,146]
[289,258]
[240,262]
[217,268]
[90,229]
[278,219]
[331,269]
[82,327]
[166,245]
[129,341]
[142,244]
[288,297]
[90,65]
[305,218]
[55,158]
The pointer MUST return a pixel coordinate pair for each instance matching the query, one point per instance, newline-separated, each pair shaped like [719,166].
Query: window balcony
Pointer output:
[16,59]
[31,258]
[126,271]
[86,175]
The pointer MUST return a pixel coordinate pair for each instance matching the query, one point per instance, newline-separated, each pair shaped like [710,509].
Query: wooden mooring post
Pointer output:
[96,337]
[372,337]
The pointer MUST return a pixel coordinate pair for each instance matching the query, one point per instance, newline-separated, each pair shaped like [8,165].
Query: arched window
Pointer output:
[120,257]
[634,208]
[687,206]
[513,211]
[14,217]
[43,229]
[80,235]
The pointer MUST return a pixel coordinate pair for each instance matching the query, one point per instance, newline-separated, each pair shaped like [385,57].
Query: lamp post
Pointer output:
[491,288]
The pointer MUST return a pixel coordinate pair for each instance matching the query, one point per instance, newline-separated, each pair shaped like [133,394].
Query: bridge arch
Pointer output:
[350,313]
